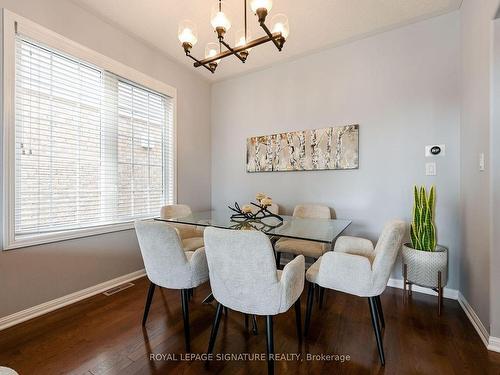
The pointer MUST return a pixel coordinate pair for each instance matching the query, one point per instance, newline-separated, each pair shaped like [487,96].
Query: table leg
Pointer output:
[209,299]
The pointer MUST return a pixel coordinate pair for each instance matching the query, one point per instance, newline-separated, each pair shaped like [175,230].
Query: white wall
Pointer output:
[475,283]
[401,86]
[34,275]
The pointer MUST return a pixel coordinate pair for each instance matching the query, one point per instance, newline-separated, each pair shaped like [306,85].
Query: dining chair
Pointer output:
[169,266]
[244,278]
[191,236]
[7,371]
[304,247]
[356,267]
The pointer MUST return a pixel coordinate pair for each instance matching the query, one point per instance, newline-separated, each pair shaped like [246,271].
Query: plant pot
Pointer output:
[423,267]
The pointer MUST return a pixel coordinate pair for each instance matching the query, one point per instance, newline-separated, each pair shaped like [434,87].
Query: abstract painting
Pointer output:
[306,150]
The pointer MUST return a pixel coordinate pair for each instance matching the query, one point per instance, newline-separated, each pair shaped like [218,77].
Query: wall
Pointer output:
[34,275]
[495,185]
[401,86]
[476,36]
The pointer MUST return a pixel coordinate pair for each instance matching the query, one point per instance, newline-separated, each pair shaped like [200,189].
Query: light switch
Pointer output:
[430,169]
[481,162]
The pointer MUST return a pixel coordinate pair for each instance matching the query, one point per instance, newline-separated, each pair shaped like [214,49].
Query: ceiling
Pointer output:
[314,24]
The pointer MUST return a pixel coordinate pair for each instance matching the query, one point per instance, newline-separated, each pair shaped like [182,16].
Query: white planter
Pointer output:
[423,267]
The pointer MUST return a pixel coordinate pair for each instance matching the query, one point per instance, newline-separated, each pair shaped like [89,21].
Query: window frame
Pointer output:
[13,23]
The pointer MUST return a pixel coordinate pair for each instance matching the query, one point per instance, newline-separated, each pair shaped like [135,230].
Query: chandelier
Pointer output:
[221,23]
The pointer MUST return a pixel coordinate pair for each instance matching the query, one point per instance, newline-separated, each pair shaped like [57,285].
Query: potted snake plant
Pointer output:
[425,263]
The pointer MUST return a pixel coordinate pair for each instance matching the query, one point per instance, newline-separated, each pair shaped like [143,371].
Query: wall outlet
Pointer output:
[430,169]
[435,150]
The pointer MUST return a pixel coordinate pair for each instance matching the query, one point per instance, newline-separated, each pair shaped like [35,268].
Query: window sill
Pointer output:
[35,240]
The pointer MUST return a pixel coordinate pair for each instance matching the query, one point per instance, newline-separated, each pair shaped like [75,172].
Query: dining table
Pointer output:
[310,229]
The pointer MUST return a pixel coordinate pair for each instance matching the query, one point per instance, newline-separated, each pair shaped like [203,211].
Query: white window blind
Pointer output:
[92,148]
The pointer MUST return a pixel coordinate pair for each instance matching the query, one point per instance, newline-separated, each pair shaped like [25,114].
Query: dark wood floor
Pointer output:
[103,335]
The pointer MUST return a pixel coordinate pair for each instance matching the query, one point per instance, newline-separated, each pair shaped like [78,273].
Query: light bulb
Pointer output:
[187,32]
[280,25]
[211,50]
[220,16]
[241,39]
[261,4]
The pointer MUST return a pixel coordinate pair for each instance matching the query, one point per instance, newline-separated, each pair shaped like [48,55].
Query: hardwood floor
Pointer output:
[103,335]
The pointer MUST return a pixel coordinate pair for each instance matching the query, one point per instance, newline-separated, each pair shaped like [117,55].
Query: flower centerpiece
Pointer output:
[255,211]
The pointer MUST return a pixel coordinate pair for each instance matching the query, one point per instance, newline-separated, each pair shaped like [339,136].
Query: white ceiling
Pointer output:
[314,24]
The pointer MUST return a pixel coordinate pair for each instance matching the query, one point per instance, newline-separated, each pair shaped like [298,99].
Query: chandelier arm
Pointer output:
[232,51]
[256,42]
[200,63]
[268,32]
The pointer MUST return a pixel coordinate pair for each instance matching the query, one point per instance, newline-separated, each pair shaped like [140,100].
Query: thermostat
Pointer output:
[435,150]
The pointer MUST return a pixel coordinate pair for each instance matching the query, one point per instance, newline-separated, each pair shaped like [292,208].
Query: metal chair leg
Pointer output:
[310,295]
[321,296]
[380,311]
[215,328]
[376,328]
[270,344]
[255,327]
[298,319]
[185,316]
[149,299]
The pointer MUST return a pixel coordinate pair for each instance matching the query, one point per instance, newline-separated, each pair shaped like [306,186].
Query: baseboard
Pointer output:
[494,344]
[474,319]
[447,292]
[44,308]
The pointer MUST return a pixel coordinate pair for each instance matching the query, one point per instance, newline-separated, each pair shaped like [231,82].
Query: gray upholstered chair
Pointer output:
[244,278]
[169,266]
[303,247]
[191,236]
[357,268]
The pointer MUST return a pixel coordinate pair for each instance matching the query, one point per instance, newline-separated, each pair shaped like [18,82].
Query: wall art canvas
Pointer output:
[306,150]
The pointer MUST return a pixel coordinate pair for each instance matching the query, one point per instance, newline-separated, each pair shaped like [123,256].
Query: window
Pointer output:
[92,149]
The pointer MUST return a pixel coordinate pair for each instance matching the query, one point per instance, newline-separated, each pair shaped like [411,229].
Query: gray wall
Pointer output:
[401,86]
[476,27]
[34,275]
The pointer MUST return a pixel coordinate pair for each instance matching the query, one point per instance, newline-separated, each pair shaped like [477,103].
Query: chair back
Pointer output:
[164,259]
[386,251]
[242,270]
[312,211]
[174,211]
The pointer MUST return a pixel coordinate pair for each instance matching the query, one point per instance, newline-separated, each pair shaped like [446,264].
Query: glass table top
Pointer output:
[319,230]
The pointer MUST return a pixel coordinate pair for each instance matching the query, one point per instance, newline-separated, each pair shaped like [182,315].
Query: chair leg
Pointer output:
[270,344]
[298,319]
[310,295]
[380,311]
[215,328]
[185,316]
[255,327]
[321,296]
[149,299]
[374,314]
[278,259]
